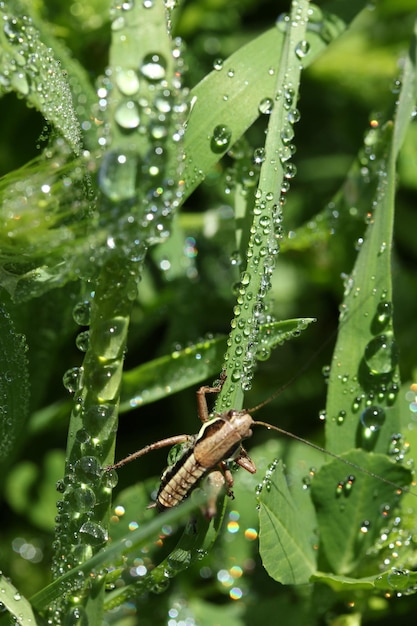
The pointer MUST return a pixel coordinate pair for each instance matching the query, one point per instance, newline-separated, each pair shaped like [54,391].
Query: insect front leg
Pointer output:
[203,412]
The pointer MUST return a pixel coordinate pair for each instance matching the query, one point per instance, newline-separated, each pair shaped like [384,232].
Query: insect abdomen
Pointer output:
[178,482]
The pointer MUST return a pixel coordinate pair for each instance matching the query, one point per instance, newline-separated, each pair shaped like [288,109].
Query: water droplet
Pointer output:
[76,616]
[81,313]
[301,49]
[87,468]
[340,487]
[83,498]
[259,156]
[349,482]
[384,313]
[396,86]
[373,418]
[294,116]
[82,340]
[365,526]
[220,140]
[72,378]
[265,106]
[127,81]
[340,417]
[290,170]
[381,355]
[127,115]
[93,533]
[287,134]
[399,579]
[153,67]
[117,175]
[283,22]
[218,64]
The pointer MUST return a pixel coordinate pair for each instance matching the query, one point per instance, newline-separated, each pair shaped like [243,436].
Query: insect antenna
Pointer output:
[355,466]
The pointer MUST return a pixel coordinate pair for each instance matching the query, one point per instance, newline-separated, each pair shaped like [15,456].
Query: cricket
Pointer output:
[210,452]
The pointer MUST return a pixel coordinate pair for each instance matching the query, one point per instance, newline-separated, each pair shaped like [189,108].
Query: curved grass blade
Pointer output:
[115,552]
[192,365]
[228,101]
[31,69]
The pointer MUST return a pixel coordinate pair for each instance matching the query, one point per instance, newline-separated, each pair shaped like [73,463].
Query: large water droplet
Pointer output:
[117,175]
[127,81]
[153,67]
[221,138]
[373,418]
[82,312]
[93,533]
[87,468]
[383,313]
[381,355]
[127,115]
[71,379]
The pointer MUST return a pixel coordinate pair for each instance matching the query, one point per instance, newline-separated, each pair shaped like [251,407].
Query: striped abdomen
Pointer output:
[178,481]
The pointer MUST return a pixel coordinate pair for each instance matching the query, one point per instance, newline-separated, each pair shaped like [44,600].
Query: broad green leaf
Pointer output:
[286,554]
[351,517]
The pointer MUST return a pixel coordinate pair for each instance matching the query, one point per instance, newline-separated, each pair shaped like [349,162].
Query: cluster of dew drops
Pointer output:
[264,242]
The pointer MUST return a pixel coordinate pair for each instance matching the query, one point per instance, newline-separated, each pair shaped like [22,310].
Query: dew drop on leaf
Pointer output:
[265,106]
[153,67]
[301,49]
[220,140]
[93,533]
[127,81]
[381,355]
[127,115]
[373,418]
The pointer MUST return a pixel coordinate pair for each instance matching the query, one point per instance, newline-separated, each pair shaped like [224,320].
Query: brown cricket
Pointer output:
[209,452]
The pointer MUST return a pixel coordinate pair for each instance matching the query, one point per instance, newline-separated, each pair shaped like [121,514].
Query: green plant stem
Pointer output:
[85,504]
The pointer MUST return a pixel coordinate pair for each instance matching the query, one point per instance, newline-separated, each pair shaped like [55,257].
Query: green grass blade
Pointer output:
[363,408]
[14,388]
[115,552]
[194,364]
[364,374]
[18,607]
[35,73]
